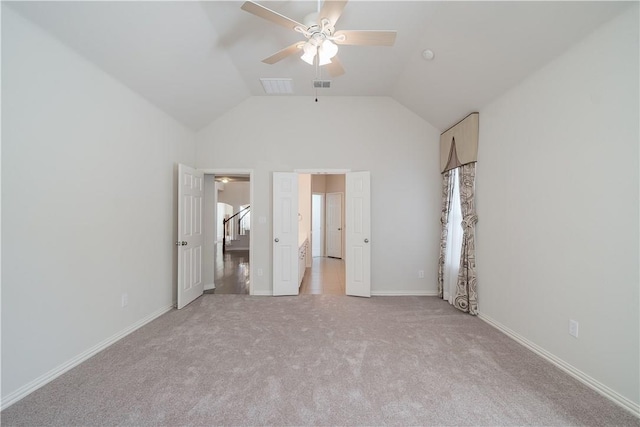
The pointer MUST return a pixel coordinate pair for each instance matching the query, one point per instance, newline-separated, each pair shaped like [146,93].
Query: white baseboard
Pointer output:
[32,386]
[589,381]
[209,286]
[262,293]
[404,293]
[374,294]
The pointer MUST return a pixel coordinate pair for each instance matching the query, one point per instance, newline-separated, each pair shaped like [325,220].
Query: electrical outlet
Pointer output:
[420,274]
[259,272]
[573,328]
[124,300]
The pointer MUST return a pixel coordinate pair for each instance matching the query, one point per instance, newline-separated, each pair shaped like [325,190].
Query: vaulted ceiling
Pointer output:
[196,60]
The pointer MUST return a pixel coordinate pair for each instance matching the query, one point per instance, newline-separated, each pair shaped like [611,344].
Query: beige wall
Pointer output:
[88,198]
[557,200]
[404,173]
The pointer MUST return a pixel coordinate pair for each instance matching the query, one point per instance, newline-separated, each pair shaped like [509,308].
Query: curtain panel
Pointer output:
[447,194]
[466,298]
[459,153]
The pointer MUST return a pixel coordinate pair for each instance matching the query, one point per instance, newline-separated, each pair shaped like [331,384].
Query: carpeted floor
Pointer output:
[316,360]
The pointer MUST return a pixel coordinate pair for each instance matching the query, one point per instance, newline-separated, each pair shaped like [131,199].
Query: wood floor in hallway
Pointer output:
[231,272]
[325,276]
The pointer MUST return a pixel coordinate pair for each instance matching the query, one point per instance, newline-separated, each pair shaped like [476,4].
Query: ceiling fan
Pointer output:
[322,39]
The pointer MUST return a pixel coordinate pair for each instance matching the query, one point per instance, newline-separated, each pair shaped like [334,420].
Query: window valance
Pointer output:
[459,144]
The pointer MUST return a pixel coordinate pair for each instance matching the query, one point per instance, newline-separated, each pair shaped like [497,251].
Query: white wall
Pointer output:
[235,194]
[88,205]
[557,201]
[400,149]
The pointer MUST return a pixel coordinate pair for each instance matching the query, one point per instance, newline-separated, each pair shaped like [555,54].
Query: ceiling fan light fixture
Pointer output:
[329,49]
[309,54]
[324,49]
[323,60]
[322,39]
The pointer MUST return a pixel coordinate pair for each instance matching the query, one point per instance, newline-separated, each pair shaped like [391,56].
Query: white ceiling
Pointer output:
[196,60]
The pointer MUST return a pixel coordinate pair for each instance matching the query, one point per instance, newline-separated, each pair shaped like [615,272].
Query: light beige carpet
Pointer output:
[316,360]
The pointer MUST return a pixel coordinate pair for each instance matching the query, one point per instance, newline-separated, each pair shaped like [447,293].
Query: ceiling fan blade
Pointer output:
[335,67]
[365,37]
[332,9]
[280,55]
[270,15]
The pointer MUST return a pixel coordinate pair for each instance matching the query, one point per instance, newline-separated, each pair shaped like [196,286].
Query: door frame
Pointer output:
[322,221]
[342,220]
[345,254]
[227,171]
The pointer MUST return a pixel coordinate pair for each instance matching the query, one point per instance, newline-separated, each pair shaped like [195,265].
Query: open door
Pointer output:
[190,234]
[285,233]
[358,234]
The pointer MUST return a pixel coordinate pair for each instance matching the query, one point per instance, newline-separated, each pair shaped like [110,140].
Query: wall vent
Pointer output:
[277,86]
[322,84]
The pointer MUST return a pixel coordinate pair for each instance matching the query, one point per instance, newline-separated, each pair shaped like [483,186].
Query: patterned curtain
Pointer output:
[466,298]
[447,194]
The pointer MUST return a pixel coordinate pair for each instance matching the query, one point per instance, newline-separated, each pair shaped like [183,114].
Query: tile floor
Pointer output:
[326,276]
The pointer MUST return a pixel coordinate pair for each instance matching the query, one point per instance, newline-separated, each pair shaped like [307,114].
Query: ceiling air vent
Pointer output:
[322,84]
[277,86]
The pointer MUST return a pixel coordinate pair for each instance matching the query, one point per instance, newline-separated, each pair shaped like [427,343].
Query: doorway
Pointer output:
[325,269]
[227,228]
[317,224]
[334,215]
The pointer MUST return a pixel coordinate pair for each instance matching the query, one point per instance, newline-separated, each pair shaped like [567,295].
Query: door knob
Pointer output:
[276,240]
[366,240]
[184,243]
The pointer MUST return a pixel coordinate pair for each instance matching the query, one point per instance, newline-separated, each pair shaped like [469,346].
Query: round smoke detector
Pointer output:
[428,54]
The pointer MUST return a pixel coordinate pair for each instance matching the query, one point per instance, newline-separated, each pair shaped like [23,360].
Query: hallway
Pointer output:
[231,273]
[326,276]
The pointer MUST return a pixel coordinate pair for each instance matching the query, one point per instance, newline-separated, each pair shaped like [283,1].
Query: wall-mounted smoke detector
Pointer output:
[428,55]
[277,86]
[322,84]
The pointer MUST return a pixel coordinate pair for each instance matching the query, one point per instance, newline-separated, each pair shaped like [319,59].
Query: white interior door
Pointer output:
[190,234]
[334,225]
[285,233]
[358,234]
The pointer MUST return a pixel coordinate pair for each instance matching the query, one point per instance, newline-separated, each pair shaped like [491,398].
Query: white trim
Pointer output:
[209,286]
[404,293]
[262,293]
[587,380]
[322,171]
[32,386]
[323,196]
[222,171]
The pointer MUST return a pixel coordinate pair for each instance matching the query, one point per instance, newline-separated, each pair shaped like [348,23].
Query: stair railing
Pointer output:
[240,223]
[225,222]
